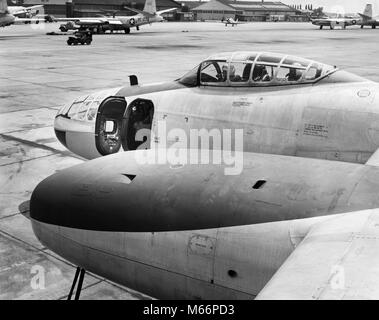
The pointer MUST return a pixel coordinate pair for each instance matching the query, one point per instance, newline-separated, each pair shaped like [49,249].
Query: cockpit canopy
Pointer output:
[240,69]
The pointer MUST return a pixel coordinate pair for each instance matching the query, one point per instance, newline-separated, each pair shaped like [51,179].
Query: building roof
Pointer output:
[260,6]
[214,5]
[243,6]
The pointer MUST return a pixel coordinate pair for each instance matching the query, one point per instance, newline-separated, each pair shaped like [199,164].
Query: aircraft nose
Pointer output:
[47,199]
[87,196]
[118,193]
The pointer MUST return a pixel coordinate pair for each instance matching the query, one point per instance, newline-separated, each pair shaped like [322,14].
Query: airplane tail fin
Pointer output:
[368,11]
[150,7]
[3,6]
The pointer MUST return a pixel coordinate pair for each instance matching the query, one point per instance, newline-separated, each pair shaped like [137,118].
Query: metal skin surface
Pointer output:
[346,246]
[193,264]
[336,118]
[191,231]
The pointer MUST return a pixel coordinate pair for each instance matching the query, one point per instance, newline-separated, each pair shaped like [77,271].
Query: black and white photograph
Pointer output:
[169,150]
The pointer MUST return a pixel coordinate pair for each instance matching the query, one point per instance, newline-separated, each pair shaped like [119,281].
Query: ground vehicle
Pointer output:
[68,26]
[82,37]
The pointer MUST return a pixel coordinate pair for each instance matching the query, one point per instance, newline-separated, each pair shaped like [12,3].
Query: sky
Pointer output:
[347,6]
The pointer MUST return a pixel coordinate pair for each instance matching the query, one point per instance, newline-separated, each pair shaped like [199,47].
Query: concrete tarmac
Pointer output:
[39,73]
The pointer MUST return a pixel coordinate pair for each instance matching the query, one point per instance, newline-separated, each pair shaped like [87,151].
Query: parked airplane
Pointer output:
[7,18]
[230,21]
[26,12]
[284,104]
[101,24]
[280,229]
[285,228]
[336,22]
[368,19]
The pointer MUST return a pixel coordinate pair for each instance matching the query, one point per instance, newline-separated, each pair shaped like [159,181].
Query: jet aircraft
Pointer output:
[284,228]
[8,18]
[101,24]
[368,19]
[285,105]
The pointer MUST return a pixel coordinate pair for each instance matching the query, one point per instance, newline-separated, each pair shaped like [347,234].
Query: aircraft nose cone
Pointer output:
[117,193]
[47,200]
[92,196]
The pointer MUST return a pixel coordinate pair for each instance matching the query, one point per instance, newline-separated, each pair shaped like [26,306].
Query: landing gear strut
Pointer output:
[79,288]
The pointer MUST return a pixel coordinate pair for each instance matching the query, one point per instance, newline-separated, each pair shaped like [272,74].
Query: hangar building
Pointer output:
[245,10]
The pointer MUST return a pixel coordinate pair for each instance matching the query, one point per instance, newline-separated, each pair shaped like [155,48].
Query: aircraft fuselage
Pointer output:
[335,121]
[193,231]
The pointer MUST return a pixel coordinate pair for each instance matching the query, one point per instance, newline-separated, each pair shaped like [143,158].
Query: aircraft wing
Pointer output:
[115,22]
[26,9]
[337,259]
[324,22]
[84,21]
[166,10]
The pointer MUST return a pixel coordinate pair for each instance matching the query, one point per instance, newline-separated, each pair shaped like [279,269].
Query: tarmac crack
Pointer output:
[20,162]
[9,215]
[53,107]
[39,146]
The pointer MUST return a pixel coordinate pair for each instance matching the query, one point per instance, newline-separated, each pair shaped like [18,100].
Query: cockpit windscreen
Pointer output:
[255,69]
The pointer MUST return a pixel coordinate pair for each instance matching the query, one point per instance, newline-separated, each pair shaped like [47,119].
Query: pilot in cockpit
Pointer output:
[294,74]
[260,73]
